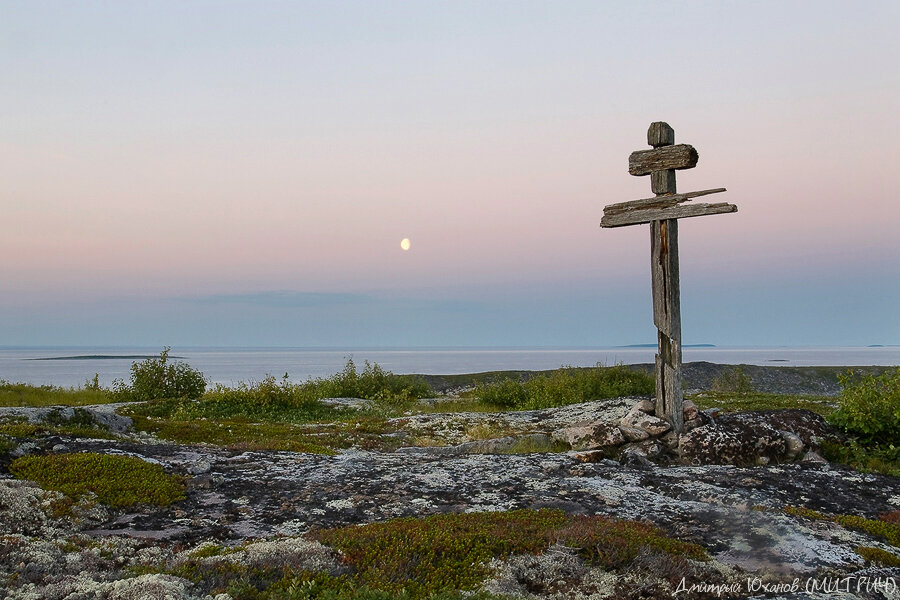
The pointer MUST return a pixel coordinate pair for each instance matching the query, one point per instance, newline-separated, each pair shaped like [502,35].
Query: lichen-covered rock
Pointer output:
[639,420]
[590,436]
[733,440]
[794,444]
[633,434]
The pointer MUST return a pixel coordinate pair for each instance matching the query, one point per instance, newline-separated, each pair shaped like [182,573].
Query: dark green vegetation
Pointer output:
[160,378]
[451,551]
[565,386]
[438,557]
[870,407]
[116,480]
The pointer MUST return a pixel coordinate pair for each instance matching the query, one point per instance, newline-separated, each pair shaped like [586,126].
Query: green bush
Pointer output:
[733,380]
[117,480]
[159,378]
[566,386]
[374,383]
[869,407]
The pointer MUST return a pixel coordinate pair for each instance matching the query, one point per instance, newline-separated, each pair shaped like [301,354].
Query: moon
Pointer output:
[404,244]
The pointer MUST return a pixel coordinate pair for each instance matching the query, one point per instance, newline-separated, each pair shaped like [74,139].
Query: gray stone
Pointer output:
[633,434]
[814,457]
[199,467]
[645,406]
[590,436]
[795,445]
[652,425]
[690,411]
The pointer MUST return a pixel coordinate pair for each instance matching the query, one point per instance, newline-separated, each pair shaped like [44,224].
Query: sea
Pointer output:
[72,366]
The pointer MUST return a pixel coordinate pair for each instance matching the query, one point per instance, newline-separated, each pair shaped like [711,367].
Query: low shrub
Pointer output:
[878,556]
[116,480]
[373,383]
[564,386]
[734,381]
[160,378]
[869,407]
[451,551]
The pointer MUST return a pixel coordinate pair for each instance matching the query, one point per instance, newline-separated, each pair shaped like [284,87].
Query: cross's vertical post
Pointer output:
[666,292]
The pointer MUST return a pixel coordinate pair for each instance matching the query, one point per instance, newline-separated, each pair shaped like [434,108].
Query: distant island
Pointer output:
[103,357]
[655,345]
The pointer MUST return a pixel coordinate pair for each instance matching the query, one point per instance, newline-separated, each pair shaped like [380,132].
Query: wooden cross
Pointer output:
[663,212]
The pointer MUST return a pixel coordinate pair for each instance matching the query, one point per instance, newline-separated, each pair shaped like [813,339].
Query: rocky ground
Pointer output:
[622,464]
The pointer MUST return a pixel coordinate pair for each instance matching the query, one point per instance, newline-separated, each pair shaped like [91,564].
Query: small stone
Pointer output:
[652,425]
[199,467]
[60,448]
[813,457]
[762,461]
[633,434]
[670,440]
[591,456]
[712,413]
[636,459]
[795,445]
[690,410]
[645,406]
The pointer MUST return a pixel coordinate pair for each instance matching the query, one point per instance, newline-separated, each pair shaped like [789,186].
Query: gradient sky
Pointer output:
[242,173]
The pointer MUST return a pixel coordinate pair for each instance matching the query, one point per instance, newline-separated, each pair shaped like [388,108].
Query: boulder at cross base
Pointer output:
[733,441]
[755,437]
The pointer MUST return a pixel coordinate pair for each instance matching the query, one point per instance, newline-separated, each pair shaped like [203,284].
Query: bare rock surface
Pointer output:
[269,499]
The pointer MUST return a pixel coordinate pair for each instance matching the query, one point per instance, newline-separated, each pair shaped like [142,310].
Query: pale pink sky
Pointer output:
[153,154]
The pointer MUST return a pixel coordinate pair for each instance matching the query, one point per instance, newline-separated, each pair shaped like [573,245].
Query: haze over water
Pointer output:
[232,365]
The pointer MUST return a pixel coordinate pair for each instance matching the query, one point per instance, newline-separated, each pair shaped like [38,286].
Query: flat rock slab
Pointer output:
[736,513]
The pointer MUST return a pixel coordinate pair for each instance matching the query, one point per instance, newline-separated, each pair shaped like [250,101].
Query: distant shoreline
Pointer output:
[102,357]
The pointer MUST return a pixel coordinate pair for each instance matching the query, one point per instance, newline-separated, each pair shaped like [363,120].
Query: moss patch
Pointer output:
[116,480]
[451,552]
[878,556]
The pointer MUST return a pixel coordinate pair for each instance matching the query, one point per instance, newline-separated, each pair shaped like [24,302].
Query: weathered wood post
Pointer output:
[663,212]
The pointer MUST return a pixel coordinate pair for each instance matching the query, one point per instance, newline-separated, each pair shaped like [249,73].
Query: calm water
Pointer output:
[232,365]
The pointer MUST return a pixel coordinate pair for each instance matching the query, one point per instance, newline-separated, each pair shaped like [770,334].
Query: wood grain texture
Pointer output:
[657,201]
[660,133]
[667,318]
[662,182]
[636,217]
[680,156]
